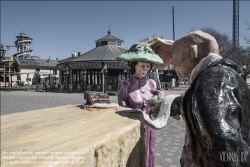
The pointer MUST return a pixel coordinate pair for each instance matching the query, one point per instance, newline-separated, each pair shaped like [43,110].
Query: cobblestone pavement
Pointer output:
[20,101]
[169,140]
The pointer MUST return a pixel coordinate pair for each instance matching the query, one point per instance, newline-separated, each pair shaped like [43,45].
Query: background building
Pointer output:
[95,70]
[25,68]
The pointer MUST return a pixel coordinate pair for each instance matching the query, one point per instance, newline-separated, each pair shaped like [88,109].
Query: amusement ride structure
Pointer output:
[22,44]
[235,22]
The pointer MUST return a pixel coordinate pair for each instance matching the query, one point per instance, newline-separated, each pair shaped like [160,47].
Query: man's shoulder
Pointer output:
[218,73]
[217,79]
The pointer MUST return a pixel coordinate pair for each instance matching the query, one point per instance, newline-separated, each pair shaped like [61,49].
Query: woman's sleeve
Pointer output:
[123,93]
[153,85]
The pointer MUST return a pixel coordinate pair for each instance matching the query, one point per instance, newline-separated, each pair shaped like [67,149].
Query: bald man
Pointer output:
[216,107]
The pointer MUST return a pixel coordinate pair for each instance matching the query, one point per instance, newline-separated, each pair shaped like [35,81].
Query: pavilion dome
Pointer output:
[109,40]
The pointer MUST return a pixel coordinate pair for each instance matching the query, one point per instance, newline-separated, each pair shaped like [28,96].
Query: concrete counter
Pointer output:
[70,136]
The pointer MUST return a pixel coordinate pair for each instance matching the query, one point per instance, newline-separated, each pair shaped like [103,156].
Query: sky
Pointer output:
[61,28]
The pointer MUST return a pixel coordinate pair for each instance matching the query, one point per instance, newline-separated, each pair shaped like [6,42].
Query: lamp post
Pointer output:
[2,54]
[125,72]
[83,71]
[160,74]
[169,74]
[37,77]
[28,83]
[104,71]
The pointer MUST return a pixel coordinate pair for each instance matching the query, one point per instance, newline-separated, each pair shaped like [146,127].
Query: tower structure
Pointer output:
[173,23]
[22,44]
[236,22]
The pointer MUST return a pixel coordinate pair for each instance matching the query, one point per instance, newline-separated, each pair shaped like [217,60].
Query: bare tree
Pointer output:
[146,39]
[247,37]
[226,47]
[143,39]
[239,55]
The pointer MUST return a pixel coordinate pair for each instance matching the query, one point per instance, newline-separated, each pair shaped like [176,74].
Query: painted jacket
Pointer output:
[216,110]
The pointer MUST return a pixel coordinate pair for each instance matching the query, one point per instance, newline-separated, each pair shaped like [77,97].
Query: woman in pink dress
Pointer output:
[133,93]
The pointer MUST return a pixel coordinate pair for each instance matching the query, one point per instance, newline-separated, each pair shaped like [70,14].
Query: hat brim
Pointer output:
[161,47]
[131,57]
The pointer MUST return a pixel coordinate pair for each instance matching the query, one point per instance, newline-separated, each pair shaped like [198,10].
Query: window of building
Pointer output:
[119,43]
[104,43]
[97,44]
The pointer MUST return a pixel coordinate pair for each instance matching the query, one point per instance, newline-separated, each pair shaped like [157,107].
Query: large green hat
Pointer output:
[140,52]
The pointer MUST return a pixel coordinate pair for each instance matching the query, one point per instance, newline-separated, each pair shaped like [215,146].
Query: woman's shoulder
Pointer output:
[151,81]
[124,82]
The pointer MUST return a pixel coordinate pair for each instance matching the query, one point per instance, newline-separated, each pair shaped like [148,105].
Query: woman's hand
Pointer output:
[156,107]
[160,94]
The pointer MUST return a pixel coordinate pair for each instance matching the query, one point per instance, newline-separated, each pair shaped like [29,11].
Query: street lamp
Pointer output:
[2,54]
[160,75]
[82,74]
[125,71]
[104,71]
[169,75]
[83,71]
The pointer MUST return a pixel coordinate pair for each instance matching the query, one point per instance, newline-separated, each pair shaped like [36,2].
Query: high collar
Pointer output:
[202,65]
[138,78]
[141,81]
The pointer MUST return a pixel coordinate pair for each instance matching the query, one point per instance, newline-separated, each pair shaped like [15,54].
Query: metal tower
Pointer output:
[173,23]
[236,22]
[22,43]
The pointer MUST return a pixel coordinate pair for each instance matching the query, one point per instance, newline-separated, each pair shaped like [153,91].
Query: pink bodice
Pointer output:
[133,92]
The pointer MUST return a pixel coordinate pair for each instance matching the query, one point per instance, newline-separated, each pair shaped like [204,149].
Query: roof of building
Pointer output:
[36,62]
[109,37]
[66,60]
[101,53]
[23,36]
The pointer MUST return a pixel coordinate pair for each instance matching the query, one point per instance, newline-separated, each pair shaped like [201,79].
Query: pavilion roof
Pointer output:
[101,53]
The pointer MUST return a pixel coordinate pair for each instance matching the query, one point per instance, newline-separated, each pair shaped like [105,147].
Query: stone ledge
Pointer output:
[61,134]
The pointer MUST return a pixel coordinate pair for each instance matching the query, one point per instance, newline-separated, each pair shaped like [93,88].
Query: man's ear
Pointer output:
[194,51]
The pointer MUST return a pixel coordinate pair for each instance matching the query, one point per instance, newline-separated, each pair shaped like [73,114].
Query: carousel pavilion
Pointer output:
[95,70]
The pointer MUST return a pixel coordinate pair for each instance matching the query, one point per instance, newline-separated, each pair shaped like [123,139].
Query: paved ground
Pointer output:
[169,141]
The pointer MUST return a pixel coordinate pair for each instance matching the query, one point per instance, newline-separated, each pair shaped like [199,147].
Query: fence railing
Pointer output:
[111,84]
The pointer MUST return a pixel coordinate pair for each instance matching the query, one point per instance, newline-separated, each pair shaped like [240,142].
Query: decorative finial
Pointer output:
[109,30]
